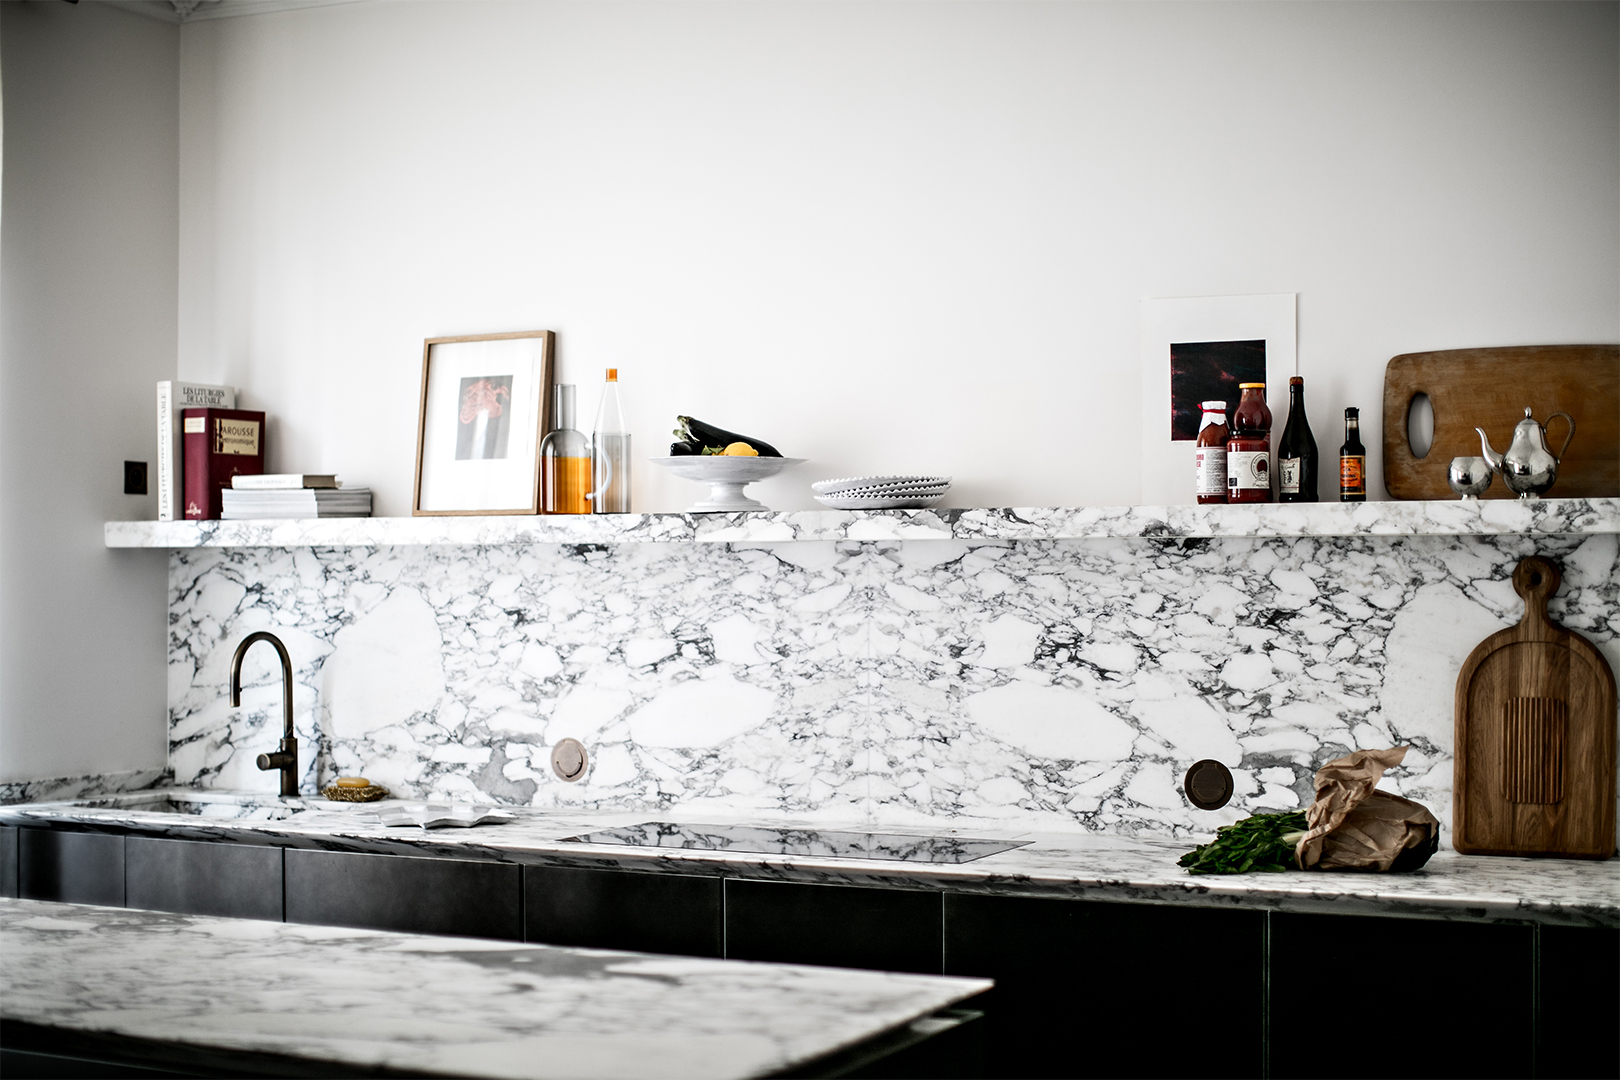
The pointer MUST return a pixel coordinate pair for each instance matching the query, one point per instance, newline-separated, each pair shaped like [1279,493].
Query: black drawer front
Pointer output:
[1579,982]
[833,925]
[70,867]
[395,892]
[1096,989]
[611,909]
[240,881]
[8,861]
[1461,991]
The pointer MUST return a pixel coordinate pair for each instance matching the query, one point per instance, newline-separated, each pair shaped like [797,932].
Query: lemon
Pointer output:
[740,449]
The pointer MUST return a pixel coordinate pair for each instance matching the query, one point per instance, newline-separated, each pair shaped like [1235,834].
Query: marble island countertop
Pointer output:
[292,996]
[1490,517]
[1082,866]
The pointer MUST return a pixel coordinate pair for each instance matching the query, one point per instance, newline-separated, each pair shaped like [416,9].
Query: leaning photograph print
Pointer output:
[482,415]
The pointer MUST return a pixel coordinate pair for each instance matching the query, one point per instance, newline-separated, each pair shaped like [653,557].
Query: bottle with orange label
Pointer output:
[1352,460]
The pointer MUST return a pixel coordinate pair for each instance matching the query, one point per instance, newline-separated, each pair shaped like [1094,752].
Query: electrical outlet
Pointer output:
[134,478]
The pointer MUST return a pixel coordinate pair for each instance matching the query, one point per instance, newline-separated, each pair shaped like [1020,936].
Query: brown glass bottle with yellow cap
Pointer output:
[1248,450]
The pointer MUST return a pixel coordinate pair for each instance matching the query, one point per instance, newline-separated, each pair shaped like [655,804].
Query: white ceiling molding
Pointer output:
[184,11]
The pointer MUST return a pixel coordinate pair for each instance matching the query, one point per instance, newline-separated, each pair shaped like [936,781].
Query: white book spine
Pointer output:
[173,397]
[165,458]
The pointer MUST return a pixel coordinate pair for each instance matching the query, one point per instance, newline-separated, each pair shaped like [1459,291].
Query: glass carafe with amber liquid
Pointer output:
[565,460]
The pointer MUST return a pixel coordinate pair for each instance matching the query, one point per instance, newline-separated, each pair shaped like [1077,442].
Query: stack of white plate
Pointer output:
[881,492]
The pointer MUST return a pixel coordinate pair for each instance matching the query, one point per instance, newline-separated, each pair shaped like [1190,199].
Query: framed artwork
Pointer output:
[486,404]
[1197,349]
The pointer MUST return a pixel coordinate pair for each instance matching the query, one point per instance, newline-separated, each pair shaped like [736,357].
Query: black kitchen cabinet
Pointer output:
[613,909]
[71,867]
[8,861]
[1577,1002]
[834,925]
[398,892]
[1097,989]
[1438,999]
[199,878]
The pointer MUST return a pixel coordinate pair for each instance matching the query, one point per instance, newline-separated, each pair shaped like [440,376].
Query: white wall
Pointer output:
[88,271]
[882,236]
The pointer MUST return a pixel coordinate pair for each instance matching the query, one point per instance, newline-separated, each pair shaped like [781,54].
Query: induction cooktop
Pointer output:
[805,842]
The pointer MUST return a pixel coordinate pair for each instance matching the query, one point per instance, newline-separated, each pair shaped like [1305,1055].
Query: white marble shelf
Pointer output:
[1540,517]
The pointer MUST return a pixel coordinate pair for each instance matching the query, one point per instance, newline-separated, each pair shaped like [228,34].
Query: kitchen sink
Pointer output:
[222,805]
[803,842]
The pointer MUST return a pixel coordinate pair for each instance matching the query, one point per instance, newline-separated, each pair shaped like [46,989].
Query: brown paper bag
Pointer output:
[1355,827]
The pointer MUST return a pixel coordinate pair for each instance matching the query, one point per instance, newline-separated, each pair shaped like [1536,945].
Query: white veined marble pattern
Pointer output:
[1097,866]
[1537,517]
[435,1004]
[1045,684]
[54,788]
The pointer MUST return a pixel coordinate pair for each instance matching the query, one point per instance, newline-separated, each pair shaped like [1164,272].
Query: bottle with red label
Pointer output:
[1210,454]
[1248,450]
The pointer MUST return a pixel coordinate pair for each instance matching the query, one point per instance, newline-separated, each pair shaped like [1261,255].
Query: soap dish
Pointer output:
[369,793]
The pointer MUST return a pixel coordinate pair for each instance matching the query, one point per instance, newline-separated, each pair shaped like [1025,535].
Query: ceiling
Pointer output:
[183,11]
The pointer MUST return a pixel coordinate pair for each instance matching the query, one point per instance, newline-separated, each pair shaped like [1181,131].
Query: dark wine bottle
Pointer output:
[1296,453]
[1352,460]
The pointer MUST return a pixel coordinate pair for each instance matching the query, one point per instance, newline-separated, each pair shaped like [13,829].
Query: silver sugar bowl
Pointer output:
[1470,476]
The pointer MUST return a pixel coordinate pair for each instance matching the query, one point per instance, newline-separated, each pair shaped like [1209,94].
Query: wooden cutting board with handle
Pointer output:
[1489,388]
[1535,769]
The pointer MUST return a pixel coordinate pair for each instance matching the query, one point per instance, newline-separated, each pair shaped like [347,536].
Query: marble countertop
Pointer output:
[462,1006]
[1489,517]
[1082,866]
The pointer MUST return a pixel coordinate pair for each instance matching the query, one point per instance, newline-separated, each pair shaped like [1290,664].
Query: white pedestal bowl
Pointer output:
[726,477]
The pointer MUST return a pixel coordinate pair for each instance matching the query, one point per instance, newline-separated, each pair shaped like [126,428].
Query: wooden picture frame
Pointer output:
[484,409]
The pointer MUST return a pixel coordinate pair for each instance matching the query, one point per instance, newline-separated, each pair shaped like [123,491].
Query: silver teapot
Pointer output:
[1528,467]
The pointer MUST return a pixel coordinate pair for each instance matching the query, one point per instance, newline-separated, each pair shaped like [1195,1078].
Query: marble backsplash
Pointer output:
[60,788]
[1059,684]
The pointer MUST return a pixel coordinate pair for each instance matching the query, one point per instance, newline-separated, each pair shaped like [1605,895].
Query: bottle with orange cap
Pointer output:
[610,453]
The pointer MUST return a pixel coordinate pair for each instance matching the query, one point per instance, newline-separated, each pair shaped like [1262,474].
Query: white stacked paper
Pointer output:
[242,505]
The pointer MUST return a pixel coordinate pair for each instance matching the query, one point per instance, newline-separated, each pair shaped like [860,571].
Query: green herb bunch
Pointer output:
[1260,842]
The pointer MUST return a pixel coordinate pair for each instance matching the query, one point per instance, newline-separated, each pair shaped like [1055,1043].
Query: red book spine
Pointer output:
[220,444]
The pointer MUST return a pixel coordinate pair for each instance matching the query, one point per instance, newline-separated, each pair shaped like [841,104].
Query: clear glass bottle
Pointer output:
[565,460]
[610,452]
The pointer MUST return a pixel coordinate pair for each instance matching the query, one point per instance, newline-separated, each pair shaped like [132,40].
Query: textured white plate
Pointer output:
[914,502]
[891,491]
[439,815]
[829,487]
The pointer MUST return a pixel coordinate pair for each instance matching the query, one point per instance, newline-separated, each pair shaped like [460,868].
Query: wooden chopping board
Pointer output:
[1489,388]
[1534,770]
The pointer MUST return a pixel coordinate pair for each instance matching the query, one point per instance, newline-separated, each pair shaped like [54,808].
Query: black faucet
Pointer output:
[285,759]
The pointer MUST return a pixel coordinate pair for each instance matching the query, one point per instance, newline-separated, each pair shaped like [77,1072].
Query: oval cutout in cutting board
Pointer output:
[1489,388]
[1534,771]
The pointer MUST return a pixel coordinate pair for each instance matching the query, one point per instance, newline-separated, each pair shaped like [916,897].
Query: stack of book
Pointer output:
[293,495]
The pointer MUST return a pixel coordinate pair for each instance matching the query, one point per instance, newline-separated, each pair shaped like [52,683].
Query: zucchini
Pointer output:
[707,435]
